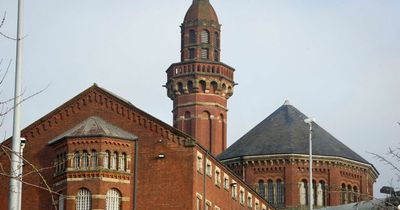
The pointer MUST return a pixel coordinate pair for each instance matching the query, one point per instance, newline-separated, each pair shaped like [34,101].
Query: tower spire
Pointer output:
[200,84]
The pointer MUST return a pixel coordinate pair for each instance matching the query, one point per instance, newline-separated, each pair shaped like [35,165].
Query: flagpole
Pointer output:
[15,185]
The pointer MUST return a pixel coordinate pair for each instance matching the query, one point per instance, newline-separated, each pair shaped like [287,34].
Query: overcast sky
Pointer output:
[337,60]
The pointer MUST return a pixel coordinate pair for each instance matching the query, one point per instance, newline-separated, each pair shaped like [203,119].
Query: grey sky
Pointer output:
[337,60]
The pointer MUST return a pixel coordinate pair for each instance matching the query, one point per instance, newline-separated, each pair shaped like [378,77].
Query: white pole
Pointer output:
[15,187]
[310,190]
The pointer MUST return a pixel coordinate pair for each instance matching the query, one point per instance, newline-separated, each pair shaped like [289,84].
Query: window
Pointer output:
[261,188]
[241,196]
[208,205]
[263,207]
[270,186]
[94,159]
[85,159]
[280,193]
[106,160]
[77,160]
[205,37]
[198,201]
[191,53]
[204,53]
[234,190]
[114,161]
[113,200]
[208,168]
[257,204]
[216,55]
[226,182]
[216,40]
[60,201]
[249,200]
[343,194]
[122,162]
[217,208]
[217,178]
[83,200]
[199,162]
[192,37]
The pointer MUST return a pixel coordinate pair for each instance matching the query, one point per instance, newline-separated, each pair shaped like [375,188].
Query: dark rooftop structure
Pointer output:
[201,10]
[285,132]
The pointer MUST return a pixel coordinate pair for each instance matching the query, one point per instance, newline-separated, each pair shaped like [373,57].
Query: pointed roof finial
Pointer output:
[287,103]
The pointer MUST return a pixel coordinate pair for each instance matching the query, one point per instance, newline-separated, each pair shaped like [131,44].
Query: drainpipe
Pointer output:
[135,174]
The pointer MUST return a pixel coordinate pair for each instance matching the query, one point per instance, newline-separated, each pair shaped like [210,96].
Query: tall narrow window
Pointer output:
[241,196]
[113,200]
[192,37]
[205,37]
[191,53]
[213,87]
[350,193]
[77,160]
[234,190]
[216,40]
[94,158]
[187,123]
[204,53]
[114,161]
[355,191]
[280,193]
[343,194]
[61,201]
[270,186]
[83,200]
[106,160]
[85,159]
[261,188]
[198,203]
[202,86]
[122,162]
[216,55]
[303,192]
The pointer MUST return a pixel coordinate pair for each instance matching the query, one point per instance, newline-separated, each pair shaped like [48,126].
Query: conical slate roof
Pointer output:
[285,132]
[95,126]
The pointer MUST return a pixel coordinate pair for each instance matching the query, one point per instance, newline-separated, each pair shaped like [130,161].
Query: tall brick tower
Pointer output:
[200,84]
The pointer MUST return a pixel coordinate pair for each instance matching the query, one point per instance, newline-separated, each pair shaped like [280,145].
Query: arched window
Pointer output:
[114,161]
[94,159]
[350,193]
[213,87]
[202,86]
[303,189]
[187,123]
[205,53]
[191,53]
[261,188]
[122,162]
[180,87]
[77,160]
[192,37]
[321,194]
[314,193]
[270,186]
[355,193]
[83,199]
[113,200]
[280,193]
[190,86]
[205,37]
[85,159]
[106,160]
[343,194]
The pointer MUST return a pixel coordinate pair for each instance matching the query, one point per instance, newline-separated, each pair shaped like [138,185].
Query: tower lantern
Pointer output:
[200,84]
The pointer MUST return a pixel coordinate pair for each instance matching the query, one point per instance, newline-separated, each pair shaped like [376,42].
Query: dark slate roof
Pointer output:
[95,126]
[285,132]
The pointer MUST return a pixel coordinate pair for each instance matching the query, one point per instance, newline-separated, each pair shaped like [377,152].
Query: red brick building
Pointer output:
[98,151]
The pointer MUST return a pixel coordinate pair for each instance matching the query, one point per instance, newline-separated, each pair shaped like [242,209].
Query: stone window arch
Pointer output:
[85,159]
[180,87]
[190,86]
[202,86]
[213,87]
[114,160]
[94,158]
[122,162]
[113,199]
[83,199]
[77,160]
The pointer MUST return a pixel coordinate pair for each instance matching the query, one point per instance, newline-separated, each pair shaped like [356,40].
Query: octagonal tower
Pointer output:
[200,84]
